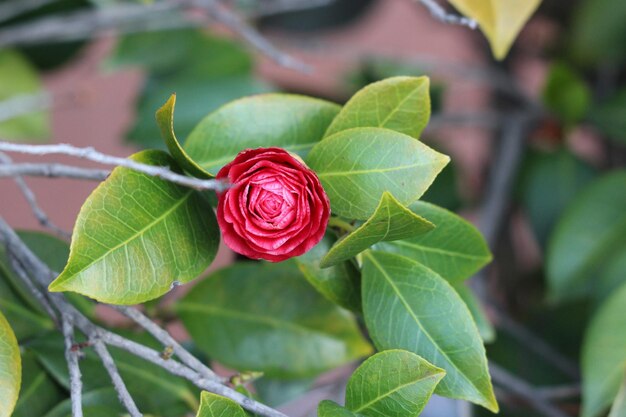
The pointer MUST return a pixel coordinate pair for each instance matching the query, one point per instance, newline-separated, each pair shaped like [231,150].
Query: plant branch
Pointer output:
[92,155]
[438,12]
[71,357]
[168,341]
[13,8]
[52,170]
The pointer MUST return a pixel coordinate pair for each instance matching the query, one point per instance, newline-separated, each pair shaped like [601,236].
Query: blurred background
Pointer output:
[527,135]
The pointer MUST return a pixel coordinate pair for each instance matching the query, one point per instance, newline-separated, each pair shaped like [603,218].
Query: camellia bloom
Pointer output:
[275,208]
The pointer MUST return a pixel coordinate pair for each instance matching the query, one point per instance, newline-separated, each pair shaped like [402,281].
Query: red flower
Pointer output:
[275,208]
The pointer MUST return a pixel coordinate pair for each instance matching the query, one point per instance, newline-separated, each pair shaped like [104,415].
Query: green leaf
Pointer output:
[275,321]
[292,122]
[10,368]
[24,81]
[391,221]
[604,355]
[408,306]
[102,402]
[608,116]
[136,235]
[392,383]
[26,322]
[560,175]
[398,103]
[357,166]
[618,409]
[455,249]
[276,392]
[594,229]
[165,120]
[500,21]
[485,328]
[340,283]
[212,405]
[153,388]
[328,408]
[39,392]
[566,93]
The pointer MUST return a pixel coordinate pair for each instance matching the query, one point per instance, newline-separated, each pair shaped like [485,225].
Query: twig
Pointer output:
[271,8]
[52,170]
[168,341]
[250,35]
[13,8]
[523,390]
[28,194]
[24,104]
[560,392]
[92,155]
[71,357]
[439,13]
[123,394]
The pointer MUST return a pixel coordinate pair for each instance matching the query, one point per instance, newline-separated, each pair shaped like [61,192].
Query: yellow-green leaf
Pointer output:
[500,20]
[213,405]
[10,368]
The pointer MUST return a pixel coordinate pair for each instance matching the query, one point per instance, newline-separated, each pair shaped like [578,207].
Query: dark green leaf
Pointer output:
[24,320]
[391,221]
[212,405]
[39,392]
[266,317]
[102,402]
[340,283]
[392,383]
[609,117]
[408,306]
[566,93]
[455,249]
[10,368]
[292,122]
[276,392]
[357,166]
[590,232]
[136,235]
[604,355]
[398,103]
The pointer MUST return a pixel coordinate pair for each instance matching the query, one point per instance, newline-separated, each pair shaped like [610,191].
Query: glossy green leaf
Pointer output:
[408,306]
[136,235]
[153,388]
[328,408]
[455,249]
[604,355]
[618,409]
[10,368]
[165,120]
[392,383]
[24,80]
[275,321]
[590,232]
[39,392]
[391,221]
[292,122]
[102,402]
[340,283]
[485,328]
[500,21]
[566,93]
[398,103]
[24,320]
[212,405]
[561,175]
[357,166]
[608,116]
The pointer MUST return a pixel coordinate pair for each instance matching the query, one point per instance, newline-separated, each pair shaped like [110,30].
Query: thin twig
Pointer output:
[52,170]
[92,155]
[71,357]
[523,390]
[168,341]
[28,194]
[24,104]
[439,13]
[107,361]
[271,8]
[560,392]
[13,8]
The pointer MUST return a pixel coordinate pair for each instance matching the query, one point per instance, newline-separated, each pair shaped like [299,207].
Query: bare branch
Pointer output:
[439,13]
[52,170]
[271,8]
[24,104]
[168,341]
[92,155]
[108,363]
[41,216]
[13,8]
[71,357]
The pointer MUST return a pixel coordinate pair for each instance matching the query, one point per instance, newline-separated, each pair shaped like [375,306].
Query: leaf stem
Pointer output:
[341,224]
